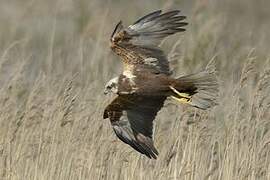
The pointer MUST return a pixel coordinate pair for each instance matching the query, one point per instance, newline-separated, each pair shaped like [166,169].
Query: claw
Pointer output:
[182,95]
[181,100]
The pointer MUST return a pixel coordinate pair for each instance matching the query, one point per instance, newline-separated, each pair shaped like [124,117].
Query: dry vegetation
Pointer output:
[55,59]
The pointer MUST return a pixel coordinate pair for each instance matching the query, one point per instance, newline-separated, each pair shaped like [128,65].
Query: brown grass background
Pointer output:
[55,59]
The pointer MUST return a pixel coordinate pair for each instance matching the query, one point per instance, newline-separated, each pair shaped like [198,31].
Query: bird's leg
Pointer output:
[181,100]
[182,97]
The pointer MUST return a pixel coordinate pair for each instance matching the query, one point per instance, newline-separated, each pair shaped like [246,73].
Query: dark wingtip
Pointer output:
[184,23]
[105,114]
[150,155]
[154,156]
[116,28]
[150,15]
[155,151]
[157,11]
[173,12]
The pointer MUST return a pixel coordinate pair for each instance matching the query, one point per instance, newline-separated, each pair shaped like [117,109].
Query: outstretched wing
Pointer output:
[132,121]
[137,44]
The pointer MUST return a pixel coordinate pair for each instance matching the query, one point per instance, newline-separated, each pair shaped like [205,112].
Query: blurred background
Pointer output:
[72,36]
[54,62]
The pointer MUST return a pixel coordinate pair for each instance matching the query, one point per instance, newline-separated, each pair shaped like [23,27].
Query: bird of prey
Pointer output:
[146,80]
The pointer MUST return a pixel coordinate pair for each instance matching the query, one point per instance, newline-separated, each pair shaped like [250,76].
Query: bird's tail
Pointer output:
[199,90]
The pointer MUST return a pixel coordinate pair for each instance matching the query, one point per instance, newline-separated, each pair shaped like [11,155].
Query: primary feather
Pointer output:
[140,41]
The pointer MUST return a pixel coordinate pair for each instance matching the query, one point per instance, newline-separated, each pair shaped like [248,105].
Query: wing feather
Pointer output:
[148,17]
[132,121]
[140,41]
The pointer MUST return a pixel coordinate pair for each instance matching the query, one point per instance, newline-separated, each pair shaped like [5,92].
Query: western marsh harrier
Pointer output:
[145,82]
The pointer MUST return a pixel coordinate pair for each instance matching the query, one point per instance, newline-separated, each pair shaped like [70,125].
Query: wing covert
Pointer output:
[140,42]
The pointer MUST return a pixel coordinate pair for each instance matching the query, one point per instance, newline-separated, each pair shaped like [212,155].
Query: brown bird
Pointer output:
[146,81]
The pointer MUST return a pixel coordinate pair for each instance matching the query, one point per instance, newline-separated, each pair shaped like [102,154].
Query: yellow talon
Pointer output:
[182,95]
[181,100]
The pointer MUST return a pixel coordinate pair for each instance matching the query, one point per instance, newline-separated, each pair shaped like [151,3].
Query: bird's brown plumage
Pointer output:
[137,45]
[145,82]
[132,120]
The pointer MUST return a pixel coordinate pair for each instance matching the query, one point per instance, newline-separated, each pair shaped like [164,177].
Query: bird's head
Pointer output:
[111,86]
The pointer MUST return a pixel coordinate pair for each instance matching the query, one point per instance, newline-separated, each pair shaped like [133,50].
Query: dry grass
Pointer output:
[55,59]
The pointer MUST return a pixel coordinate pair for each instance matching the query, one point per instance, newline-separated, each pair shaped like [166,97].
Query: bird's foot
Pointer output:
[181,97]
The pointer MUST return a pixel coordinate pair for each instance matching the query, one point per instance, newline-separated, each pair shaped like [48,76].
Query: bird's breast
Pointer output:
[143,84]
[127,84]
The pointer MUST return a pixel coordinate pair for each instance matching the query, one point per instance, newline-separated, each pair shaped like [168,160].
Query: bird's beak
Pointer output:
[105,92]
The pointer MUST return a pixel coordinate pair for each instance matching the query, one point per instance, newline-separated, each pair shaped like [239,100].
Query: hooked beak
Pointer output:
[105,91]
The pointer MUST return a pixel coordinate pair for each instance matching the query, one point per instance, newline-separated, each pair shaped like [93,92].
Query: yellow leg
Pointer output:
[182,95]
[181,100]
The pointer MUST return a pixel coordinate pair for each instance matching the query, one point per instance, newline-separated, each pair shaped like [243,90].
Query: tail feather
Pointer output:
[202,88]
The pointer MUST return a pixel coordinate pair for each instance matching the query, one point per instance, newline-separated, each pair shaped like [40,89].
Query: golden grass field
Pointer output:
[55,60]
